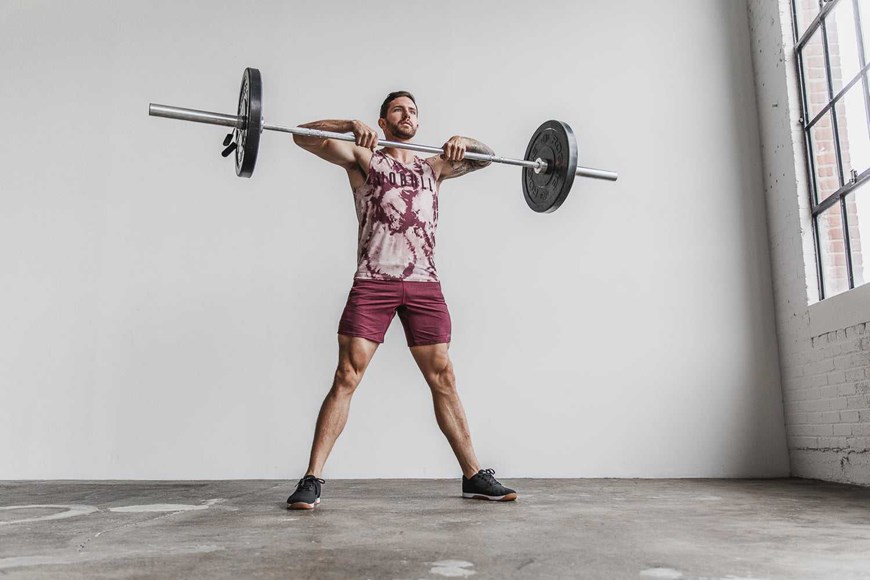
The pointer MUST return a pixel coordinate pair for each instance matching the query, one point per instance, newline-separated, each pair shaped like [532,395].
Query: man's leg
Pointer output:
[434,362]
[354,356]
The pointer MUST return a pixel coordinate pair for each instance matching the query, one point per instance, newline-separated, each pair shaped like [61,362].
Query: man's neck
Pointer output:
[403,155]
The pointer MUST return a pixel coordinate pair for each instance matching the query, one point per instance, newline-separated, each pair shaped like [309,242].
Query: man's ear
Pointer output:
[382,124]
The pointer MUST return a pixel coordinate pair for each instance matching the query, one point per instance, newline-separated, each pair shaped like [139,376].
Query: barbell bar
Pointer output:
[549,167]
[238,121]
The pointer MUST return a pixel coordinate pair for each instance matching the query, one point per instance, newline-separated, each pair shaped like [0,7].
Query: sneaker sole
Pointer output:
[508,497]
[301,505]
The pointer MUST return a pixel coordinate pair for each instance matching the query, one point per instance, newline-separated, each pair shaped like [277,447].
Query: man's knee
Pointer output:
[346,380]
[441,378]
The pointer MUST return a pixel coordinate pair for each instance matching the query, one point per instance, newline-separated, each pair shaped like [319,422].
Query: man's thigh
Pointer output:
[355,353]
[371,305]
[424,314]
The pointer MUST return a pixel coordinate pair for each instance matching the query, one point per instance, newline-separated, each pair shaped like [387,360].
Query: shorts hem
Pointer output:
[361,335]
[442,340]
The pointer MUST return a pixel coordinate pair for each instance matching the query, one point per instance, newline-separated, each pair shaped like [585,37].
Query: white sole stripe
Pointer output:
[480,495]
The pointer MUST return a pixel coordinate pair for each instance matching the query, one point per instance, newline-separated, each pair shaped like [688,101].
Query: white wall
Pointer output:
[824,346]
[165,319]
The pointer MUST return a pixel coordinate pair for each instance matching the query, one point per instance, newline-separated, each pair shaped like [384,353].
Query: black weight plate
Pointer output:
[251,110]
[554,143]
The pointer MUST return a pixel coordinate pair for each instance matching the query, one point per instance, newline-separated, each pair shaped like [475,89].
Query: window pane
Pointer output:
[864,19]
[833,251]
[824,158]
[815,74]
[854,130]
[805,10]
[858,214]
[842,44]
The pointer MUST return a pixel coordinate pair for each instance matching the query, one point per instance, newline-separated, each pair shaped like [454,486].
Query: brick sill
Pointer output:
[840,311]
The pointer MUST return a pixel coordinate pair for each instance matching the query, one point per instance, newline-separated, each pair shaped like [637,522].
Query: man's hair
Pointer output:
[392,97]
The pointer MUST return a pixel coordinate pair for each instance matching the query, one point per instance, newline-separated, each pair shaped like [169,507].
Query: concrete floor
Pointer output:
[563,528]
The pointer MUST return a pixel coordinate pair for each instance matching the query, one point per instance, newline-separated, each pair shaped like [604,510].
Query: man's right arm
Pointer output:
[344,153]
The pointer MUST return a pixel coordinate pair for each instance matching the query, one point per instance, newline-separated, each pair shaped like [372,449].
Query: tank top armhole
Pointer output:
[431,167]
[369,175]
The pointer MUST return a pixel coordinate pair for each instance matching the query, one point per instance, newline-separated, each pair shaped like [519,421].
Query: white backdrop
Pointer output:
[162,318]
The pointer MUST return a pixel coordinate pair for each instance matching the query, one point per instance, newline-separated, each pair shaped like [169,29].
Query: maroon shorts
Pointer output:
[372,304]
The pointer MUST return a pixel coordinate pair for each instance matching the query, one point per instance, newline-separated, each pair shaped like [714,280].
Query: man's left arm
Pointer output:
[452,162]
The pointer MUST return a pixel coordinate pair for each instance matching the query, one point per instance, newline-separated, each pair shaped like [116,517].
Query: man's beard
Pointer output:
[402,133]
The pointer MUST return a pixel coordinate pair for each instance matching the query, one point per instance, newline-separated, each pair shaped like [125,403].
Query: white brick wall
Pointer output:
[825,378]
[827,397]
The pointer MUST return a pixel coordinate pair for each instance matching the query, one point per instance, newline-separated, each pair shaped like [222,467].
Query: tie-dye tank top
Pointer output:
[397,209]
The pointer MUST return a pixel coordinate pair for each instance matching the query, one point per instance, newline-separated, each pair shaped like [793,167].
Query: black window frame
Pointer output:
[855,179]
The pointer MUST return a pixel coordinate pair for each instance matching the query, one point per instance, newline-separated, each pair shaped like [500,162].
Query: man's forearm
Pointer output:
[475,146]
[332,125]
[464,166]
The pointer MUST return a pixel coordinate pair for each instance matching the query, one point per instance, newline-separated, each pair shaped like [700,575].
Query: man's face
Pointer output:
[401,120]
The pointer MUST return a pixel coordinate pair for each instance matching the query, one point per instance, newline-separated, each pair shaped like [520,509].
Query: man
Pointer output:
[396,195]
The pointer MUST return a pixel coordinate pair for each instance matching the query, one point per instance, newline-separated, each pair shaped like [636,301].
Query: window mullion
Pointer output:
[847,246]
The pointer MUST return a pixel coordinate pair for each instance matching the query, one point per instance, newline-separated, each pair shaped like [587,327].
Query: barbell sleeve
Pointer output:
[194,115]
[596,173]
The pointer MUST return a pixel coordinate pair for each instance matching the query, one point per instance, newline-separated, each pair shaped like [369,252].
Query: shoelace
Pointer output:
[307,482]
[488,475]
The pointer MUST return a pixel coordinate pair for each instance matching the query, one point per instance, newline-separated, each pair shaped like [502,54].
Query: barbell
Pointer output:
[549,165]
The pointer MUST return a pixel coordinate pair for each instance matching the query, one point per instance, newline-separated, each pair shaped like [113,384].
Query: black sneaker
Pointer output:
[484,486]
[307,494]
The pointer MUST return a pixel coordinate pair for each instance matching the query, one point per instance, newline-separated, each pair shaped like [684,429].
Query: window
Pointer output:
[833,49]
